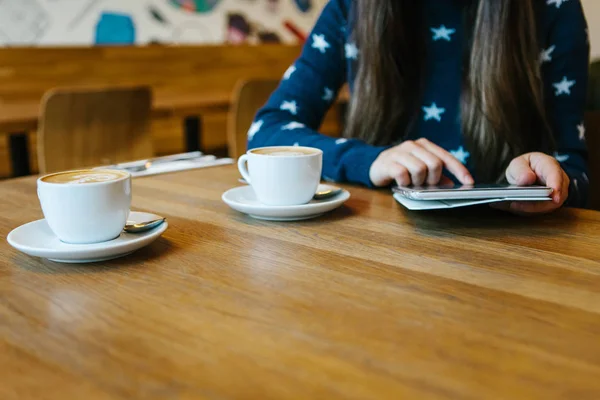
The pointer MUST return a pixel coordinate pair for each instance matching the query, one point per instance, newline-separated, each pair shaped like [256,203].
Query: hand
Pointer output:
[417,163]
[537,168]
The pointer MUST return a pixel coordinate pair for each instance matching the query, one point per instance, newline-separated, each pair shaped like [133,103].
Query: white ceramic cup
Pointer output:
[282,175]
[86,213]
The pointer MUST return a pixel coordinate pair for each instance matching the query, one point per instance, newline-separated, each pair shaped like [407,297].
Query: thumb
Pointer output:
[520,173]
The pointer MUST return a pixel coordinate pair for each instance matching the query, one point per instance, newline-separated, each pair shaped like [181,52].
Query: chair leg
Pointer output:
[193,133]
[19,154]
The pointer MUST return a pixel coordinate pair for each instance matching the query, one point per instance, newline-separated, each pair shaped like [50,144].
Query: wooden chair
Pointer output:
[251,95]
[248,97]
[592,123]
[81,128]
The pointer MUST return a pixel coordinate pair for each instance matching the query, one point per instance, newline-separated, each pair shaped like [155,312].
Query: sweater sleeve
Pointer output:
[565,61]
[296,109]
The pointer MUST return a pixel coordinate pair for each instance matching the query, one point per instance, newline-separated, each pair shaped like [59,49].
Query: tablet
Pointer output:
[470,192]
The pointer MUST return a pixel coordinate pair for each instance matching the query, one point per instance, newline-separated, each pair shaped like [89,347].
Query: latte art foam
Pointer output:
[286,153]
[91,178]
[83,177]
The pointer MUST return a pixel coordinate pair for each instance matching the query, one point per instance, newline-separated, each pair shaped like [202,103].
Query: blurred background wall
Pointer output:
[88,22]
[141,22]
[592,12]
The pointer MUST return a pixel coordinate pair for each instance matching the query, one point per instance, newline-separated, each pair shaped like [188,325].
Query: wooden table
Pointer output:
[368,302]
[16,119]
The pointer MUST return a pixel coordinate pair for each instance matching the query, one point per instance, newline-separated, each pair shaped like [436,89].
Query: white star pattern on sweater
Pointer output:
[311,84]
[296,144]
[557,3]
[351,51]
[461,155]
[547,54]
[563,87]
[289,72]
[442,33]
[433,112]
[254,128]
[581,130]
[585,177]
[290,106]
[561,157]
[320,43]
[292,125]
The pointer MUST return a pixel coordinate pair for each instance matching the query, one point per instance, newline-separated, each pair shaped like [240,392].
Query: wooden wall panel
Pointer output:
[214,127]
[27,73]
[167,136]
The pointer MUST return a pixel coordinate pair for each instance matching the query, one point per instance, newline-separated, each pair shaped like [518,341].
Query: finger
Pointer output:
[519,172]
[445,181]
[433,163]
[416,168]
[407,146]
[389,173]
[400,174]
[450,162]
[564,193]
[549,173]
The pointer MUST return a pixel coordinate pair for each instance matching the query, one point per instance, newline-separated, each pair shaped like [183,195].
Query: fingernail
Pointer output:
[468,180]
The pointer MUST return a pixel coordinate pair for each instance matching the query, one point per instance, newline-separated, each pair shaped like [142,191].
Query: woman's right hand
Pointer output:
[416,163]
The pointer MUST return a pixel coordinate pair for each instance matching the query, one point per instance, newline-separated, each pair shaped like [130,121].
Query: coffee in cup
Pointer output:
[285,151]
[86,206]
[282,175]
[84,176]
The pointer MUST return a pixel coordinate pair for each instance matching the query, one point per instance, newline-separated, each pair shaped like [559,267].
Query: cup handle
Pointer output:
[243,167]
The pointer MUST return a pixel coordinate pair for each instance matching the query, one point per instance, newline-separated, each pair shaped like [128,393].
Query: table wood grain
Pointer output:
[368,302]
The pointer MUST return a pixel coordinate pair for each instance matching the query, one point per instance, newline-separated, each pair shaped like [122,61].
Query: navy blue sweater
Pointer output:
[296,109]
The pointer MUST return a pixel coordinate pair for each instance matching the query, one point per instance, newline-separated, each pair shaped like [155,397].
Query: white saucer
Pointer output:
[36,239]
[244,200]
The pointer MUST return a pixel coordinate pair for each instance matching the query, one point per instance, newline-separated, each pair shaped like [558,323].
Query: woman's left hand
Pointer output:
[537,168]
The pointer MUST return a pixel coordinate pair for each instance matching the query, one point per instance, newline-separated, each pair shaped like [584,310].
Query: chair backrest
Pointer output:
[593,89]
[81,128]
[248,97]
[592,123]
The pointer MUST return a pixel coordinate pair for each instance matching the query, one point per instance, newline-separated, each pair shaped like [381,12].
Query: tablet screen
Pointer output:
[470,188]
[477,191]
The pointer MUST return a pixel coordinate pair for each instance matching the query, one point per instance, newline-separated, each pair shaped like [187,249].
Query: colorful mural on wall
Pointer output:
[115,29]
[22,21]
[142,22]
[199,6]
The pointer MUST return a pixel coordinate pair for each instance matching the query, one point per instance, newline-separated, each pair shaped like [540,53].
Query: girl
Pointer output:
[484,90]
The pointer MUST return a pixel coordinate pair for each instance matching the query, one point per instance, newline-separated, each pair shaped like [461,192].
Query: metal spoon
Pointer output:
[319,195]
[327,193]
[138,227]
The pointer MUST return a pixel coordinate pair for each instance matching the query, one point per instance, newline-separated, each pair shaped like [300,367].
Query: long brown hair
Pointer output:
[502,107]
